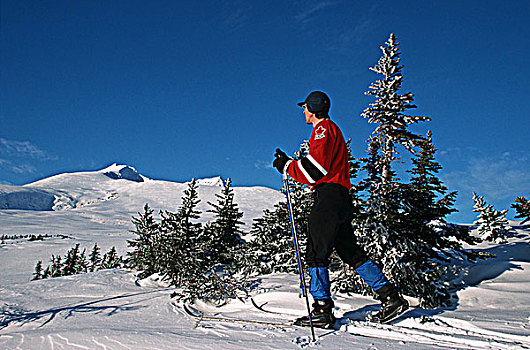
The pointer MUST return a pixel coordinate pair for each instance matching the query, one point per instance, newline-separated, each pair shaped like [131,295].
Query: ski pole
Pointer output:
[297,251]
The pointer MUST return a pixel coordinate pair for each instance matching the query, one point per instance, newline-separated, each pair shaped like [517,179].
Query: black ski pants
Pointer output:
[330,227]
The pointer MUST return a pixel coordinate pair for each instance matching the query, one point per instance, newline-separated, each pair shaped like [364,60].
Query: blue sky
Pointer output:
[183,89]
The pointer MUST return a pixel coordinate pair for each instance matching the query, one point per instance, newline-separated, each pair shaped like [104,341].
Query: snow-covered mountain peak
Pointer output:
[213,181]
[115,193]
[120,171]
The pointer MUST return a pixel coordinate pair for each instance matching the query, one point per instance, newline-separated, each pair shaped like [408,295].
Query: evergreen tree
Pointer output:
[95,258]
[145,253]
[271,248]
[73,262]
[431,242]
[425,210]
[38,271]
[224,232]
[56,267]
[180,253]
[82,263]
[379,228]
[389,109]
[111,260]
[492,224]
[214,265]
[522,208]
[401,225]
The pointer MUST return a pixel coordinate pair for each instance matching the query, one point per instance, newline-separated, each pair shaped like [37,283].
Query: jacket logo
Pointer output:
[320,133]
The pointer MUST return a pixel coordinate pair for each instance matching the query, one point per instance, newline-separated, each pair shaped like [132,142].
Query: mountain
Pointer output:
[112,195]
[96,206]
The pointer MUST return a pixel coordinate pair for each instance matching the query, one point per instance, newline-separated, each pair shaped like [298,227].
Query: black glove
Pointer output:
[280,159]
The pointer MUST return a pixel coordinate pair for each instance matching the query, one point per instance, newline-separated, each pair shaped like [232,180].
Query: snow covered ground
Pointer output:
[111,309]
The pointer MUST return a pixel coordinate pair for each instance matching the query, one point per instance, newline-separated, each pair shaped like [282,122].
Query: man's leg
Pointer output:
[372,275]
[322,228]
[319,287]
[392,304]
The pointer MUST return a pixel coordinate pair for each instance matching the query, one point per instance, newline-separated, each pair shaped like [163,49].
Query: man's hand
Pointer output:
[280,159]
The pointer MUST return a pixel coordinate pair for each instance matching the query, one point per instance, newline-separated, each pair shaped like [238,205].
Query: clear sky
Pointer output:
[183,89]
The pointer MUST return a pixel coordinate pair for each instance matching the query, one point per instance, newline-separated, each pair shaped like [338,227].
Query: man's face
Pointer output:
[308,116]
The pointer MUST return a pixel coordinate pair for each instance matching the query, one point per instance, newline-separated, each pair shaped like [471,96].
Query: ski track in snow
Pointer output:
[112,310]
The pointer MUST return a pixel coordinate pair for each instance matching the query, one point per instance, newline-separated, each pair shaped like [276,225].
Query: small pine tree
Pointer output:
[224,232]
[56,267]
[82,263]
[71,261]
[180,253]
[111,260]
[95,258]
[210,259]
[522,208]
[38,271]
[492,224]
[145,253]
[271,249]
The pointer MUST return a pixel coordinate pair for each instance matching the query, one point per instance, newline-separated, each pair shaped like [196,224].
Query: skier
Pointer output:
[326,170]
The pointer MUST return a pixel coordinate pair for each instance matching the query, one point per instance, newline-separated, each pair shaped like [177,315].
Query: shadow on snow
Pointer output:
[9,314]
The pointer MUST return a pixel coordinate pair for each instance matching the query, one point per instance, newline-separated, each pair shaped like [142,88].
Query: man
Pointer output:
[326,170]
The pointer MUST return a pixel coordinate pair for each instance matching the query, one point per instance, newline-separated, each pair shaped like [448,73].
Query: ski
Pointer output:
[368,320]
[260,308]
[200,316]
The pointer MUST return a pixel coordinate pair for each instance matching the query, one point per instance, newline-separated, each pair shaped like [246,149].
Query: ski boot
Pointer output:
[321,315]
[392,304]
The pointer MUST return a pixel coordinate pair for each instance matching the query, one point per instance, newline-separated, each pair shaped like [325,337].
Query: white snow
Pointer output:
[111,309]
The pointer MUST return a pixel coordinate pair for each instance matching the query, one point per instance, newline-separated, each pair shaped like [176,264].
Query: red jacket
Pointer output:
[327,161]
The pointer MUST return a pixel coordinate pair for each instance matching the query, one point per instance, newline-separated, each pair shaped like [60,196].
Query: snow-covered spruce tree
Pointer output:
[271,249]
[180,254]
[224,234]
[396,226]
[94,258]
[381,227]
[434,248]
[389,109]
[380,230]
[427,203]
[521,205]
[215,272]
[146,247]
[492,224]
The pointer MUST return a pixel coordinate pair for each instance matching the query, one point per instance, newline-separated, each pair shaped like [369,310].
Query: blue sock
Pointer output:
[319,286]
[372,275]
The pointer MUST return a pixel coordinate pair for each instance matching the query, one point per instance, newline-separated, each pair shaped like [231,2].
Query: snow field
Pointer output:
[111,309]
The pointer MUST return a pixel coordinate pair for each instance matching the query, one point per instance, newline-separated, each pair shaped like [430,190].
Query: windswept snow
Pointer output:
[111,309]
[14,197]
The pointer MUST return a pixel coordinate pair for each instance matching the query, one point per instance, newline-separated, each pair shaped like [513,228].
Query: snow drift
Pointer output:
[14,197]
